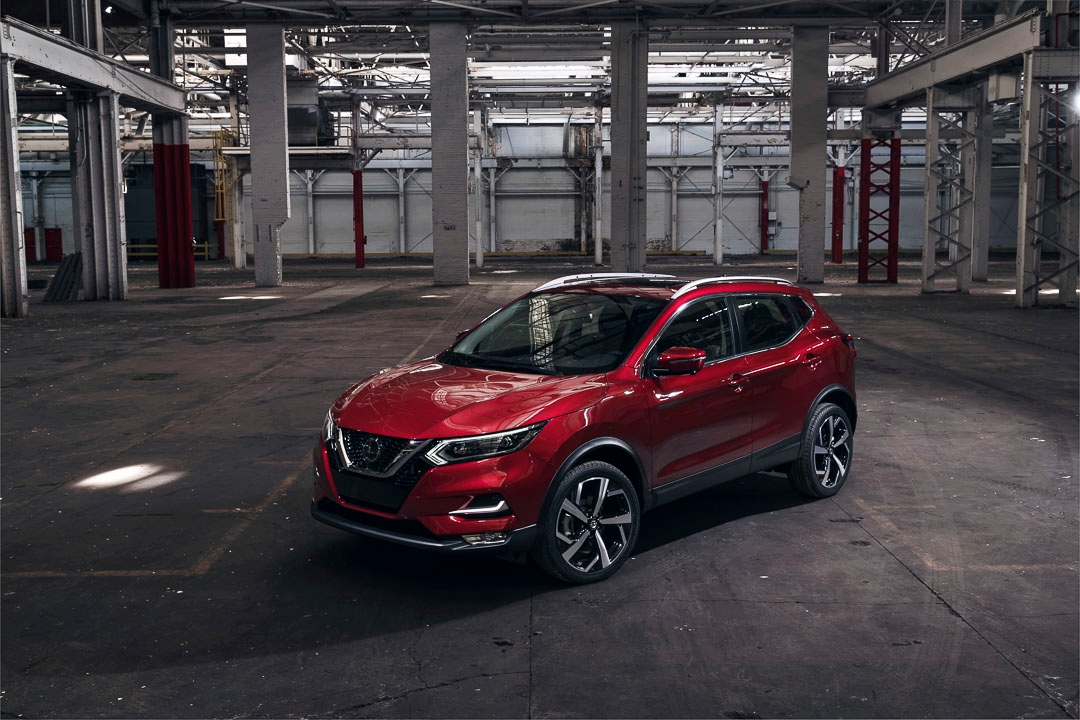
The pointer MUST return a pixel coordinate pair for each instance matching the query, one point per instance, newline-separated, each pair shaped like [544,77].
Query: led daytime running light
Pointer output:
[476,447]
[329,430]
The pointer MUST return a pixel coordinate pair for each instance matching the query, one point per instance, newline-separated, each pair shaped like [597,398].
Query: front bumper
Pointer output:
[331,513]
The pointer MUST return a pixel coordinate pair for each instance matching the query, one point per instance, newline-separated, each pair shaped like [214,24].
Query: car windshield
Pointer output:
[567,333]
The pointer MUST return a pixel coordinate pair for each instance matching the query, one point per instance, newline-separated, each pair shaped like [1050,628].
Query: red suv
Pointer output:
[554,424]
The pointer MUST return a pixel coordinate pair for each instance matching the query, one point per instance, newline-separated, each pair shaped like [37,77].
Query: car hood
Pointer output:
[430,399]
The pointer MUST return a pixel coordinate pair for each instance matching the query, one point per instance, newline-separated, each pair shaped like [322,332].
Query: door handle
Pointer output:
[737,382]
[812,360]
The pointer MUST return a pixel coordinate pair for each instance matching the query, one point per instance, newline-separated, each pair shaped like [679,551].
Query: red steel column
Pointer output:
[838,197]
[172,210]
[358,215]
[764,215]
[881,223]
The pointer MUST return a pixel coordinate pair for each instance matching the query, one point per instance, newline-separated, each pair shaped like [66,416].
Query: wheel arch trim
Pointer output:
[573,459]
[831,389]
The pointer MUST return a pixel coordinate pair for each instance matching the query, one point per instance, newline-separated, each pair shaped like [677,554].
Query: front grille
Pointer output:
[374,454]
[357,485]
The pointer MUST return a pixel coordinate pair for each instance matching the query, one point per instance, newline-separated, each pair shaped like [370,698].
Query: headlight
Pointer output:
[329,431]
[481,446]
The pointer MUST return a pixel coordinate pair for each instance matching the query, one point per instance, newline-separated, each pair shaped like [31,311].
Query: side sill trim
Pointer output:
[705,479]
[779,453]
[776,454]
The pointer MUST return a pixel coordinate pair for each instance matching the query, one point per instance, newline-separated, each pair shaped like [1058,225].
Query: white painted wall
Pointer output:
[537,209]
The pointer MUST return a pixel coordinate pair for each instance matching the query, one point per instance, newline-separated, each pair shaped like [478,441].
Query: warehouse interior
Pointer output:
[218,214]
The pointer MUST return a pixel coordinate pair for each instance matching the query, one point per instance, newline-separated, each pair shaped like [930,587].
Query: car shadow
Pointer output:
[332,588]
[757,494]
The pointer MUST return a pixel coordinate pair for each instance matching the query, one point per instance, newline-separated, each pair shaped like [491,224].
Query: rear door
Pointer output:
[783,362]
[700,421]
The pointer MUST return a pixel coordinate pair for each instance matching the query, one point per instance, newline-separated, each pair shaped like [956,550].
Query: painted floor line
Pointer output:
[204,563]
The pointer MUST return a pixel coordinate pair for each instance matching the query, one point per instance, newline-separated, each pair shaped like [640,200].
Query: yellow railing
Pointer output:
[148,251]
[223,182]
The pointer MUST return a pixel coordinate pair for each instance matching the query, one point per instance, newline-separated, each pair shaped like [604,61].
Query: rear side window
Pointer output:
[802,310]
[767,321]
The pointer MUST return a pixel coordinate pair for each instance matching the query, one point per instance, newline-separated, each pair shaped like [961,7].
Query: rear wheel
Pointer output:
[825,457]
[591,525]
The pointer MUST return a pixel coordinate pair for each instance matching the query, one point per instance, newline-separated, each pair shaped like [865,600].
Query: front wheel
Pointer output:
[825,458]
[591,525]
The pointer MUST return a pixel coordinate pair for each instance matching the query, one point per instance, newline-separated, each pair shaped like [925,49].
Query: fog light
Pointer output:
[488,538]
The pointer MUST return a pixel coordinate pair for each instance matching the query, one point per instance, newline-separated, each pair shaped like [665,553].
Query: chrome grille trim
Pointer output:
[358,466]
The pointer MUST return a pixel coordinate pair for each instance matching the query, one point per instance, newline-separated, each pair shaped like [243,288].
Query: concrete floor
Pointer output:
[158,558]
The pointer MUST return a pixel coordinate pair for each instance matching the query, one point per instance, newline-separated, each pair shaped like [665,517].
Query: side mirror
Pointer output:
[461,334]
[680,361]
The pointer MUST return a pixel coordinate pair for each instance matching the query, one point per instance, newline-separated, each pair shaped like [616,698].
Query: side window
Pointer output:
[802,310]
[767,321]
[706,325]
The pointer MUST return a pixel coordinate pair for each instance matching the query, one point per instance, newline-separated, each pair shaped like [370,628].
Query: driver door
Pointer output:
[701,422]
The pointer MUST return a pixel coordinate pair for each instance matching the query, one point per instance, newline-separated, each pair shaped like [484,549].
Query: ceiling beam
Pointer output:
[1000,44]
[52,57]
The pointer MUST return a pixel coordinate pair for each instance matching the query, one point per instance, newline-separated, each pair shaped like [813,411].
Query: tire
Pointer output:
[825,457]
[583,540]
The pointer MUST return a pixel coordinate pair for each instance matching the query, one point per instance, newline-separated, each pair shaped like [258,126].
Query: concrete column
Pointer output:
[172,202]
[718,184]
[234,228]
[492,217]
[172,173]
[629,133]
[598,186]
[269,148]
[12,250]
[882,49]
[478,185]
[954,13]
[982,164]
[1030,223]
[809,158]
[931,193]
[37,183]
[1069,214]
[449,154]
[674,217]
[82,24]
[309,177]
[96,194]
[402,248]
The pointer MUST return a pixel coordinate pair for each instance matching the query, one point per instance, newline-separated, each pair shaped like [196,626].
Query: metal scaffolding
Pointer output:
[949,194]
[1049,180]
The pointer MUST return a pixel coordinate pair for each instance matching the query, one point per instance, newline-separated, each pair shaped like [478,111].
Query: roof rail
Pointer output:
[577,279]
[695,284]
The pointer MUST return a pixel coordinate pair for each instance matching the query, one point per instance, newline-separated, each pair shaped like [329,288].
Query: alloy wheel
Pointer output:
[594,524]
[832,451]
